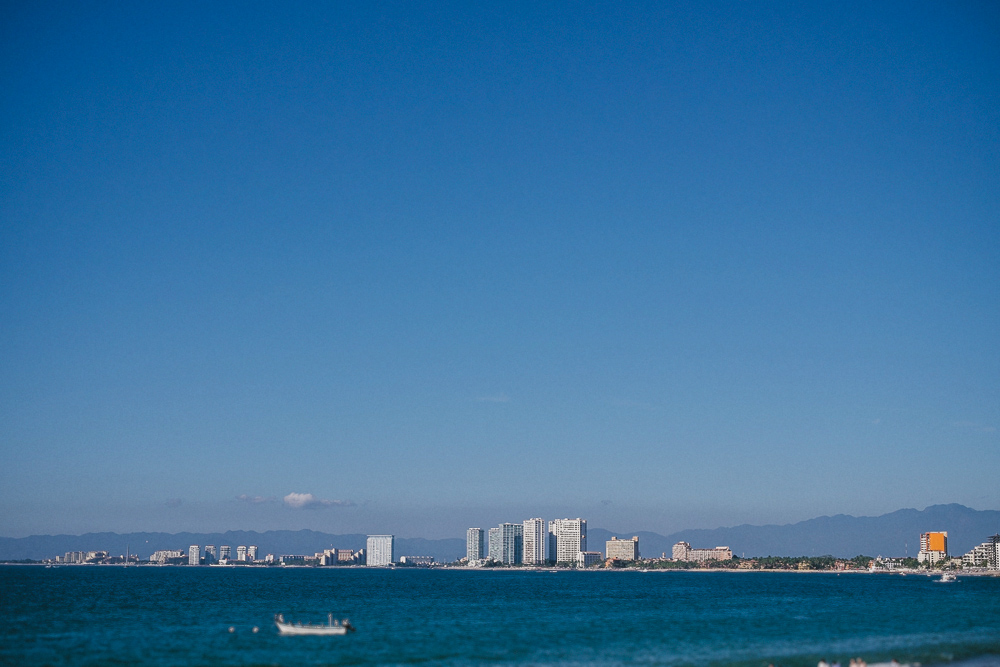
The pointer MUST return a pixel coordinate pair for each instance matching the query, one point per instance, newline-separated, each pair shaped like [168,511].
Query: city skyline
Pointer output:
[340,268]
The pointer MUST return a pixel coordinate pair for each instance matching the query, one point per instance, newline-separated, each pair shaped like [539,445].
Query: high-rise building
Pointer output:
[534,542]
[511,543]
[933,547]
[252,552]
[224,552]
[381,550]
[194,555]
[588,558]
[494,544]
[241,553]
[622,549]
[474,544]
[210,556]
[567,538]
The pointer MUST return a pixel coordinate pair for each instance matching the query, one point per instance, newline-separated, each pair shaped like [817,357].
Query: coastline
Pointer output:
[551,570]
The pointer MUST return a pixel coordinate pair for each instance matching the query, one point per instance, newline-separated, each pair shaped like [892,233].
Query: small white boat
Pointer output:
[333,627]
[948,576]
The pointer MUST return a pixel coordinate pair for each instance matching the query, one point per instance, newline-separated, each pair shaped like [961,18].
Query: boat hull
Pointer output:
[322,630]
[333,628]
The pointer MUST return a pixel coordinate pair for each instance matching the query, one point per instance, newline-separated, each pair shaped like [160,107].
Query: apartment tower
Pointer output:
[381,550]
[474,544]
[567,538]
[534,542]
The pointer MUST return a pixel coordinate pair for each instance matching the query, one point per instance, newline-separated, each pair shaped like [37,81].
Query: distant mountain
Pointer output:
[894,534]
[275,542]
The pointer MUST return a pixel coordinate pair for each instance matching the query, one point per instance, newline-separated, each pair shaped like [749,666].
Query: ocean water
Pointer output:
[182,616]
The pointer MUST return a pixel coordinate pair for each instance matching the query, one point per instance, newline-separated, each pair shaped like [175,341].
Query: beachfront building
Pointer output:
[381,550]
[985,555]
[83,557]
[511,543]
[224,552]
[494,545]
[933,547]
[337,557]
[682,551]
[622,549]
[588,558]
[416,560]
[210,555]
[241,553]
[534,542]
[164,555]
[194,555]
[567,538]
[252,552]
[474,544]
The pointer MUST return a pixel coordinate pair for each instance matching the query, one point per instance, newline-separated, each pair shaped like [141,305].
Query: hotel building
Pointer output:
[985,555]
[622,549]
[567,538]
[194,555]
[511,543]
[474,544]
[224,552]
[933,547]
[494,544]
[534,542]
[683,551]
[381,550]
[241,553]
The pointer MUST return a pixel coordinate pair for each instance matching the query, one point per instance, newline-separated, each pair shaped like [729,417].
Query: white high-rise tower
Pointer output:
[534,542]
[381,550]
[567,538]
[474,544]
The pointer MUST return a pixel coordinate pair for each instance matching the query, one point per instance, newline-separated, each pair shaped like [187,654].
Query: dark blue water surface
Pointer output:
[181,616]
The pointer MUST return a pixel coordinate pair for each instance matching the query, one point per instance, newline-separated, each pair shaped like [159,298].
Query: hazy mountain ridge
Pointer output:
[841,535]
[893,534]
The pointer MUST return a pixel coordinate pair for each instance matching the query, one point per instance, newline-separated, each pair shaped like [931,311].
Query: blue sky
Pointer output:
[659,265]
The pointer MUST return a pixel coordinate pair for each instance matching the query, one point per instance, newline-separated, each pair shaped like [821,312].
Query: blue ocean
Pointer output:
[183,615]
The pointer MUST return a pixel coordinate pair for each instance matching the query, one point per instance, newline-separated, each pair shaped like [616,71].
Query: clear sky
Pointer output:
[409,268]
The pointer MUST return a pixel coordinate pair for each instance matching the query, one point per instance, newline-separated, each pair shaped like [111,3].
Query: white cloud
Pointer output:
[307,501]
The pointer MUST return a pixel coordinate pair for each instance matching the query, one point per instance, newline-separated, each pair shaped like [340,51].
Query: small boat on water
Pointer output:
[333,627]
[947,577]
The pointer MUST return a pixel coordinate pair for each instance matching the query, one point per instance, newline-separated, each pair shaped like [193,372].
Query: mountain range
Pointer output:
[841,535]
[893,534]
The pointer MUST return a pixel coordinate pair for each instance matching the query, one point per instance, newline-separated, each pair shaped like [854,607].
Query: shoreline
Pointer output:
[551,570]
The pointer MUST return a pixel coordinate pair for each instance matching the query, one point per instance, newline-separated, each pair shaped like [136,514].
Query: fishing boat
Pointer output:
[333,627]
